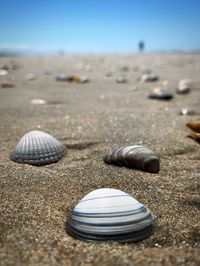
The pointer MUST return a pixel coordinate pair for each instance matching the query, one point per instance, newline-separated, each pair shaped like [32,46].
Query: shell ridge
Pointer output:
[103,197]
[38,148]
[126,213]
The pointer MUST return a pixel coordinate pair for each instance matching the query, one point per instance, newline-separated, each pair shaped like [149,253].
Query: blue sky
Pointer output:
[100,25]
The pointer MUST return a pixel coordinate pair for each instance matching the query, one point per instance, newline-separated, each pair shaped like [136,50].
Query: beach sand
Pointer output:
[91,120]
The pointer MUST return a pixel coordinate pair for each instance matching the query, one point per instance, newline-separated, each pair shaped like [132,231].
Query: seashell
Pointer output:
[195,129]
[110,214]
[38,148]
[37,101]
[160,95]
[3,72]
[184,86]
[76,79]
[7,84]
[137,157]
[148,77]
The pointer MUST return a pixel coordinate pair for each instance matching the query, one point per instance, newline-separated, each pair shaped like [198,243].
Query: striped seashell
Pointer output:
[137,157]
[110,214]
[38,148]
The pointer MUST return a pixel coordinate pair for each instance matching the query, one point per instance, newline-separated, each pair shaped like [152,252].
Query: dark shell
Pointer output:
[38,148]
[110,214]
[137,157]
[160,95]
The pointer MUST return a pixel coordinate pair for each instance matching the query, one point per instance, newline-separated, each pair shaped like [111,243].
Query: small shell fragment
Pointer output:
[136,157]
[38,148]
[109,214]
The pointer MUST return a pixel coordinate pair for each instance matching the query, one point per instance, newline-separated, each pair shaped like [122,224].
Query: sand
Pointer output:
[91,120]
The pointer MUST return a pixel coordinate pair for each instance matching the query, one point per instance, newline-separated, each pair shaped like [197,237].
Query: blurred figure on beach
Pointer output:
[141,46]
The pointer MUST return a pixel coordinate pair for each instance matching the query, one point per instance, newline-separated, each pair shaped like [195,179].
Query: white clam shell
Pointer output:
[38,148]
[110,214]
[3,72]
[136,156]
[184,86]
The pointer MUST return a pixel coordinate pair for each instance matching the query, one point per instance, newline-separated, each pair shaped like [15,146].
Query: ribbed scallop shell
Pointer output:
[110,214]
[38,148]
[137,157]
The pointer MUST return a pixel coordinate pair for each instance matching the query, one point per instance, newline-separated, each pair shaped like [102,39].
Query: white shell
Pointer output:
[3,72]
[38,148]
[184,86]
[110,214]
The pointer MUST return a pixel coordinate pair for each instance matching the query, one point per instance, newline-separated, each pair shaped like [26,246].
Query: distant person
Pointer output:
[141,46]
